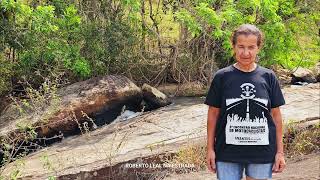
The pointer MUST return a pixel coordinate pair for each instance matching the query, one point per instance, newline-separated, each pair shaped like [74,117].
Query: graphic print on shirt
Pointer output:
[246,121]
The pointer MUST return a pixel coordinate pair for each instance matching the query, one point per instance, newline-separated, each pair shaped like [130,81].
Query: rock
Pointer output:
[302,102]
[114,144]
[316,71]
[99,99]
[111,147]
[284,76]
[153,98]
[103,153]
[303,75]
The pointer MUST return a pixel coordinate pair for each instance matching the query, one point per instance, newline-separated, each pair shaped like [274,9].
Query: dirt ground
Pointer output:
[300,168]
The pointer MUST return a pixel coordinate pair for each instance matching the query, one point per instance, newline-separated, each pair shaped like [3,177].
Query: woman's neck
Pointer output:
[245,68]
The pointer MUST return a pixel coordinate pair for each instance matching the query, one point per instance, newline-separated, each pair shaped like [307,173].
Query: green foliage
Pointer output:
[6,69]
[209,15]
[45,40]
[186,18]
[43,20]
[112,45]
[92,38]
[281,21]
[133,6]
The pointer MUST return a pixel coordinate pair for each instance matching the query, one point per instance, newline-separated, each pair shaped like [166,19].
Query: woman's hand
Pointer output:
[213,114]
[279,163]
[211,164]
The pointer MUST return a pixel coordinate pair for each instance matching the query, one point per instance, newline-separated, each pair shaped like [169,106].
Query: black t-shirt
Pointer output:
[245,131]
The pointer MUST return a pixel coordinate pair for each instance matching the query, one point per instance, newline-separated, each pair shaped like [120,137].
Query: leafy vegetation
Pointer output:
[301,141]
[152,41]
[284,23]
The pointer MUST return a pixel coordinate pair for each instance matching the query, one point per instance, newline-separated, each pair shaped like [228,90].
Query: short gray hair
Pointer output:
[247,29]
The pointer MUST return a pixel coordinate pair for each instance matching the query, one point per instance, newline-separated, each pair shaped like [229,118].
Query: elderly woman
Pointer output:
[244,127]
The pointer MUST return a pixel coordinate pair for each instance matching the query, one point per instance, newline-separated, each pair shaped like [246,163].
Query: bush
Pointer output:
[302,141]
[6,71]
[283,22]
[43,40]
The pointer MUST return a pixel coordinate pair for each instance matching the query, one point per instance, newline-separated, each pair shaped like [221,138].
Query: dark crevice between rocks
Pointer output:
[103,117]
[296,80]
[302,80]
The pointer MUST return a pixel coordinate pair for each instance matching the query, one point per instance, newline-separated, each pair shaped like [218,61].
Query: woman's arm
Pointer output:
[213,114]
[279,164]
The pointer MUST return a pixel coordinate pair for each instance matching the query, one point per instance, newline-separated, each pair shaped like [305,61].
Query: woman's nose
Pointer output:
[246,52]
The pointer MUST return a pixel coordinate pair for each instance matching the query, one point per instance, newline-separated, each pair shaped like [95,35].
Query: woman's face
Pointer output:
[246,49]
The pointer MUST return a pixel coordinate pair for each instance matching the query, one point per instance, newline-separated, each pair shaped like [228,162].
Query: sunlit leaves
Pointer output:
[269,10]
[8,5]
[48,40]
[186,18]
[133,7]
[43,20]
[209,15]
[82,67]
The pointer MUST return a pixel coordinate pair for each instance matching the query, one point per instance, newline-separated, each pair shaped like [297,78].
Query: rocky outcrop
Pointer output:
[302,102]
[83,105]
[316,71]
[284,76]
[153,98]
[101,98]
[105,152]
[303,75]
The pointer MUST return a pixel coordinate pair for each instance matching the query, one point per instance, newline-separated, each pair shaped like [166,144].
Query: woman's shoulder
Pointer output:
[266,71]
[231,69]
[224,70]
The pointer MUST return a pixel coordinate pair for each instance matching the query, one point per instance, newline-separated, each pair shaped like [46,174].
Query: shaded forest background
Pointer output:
[149,41]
